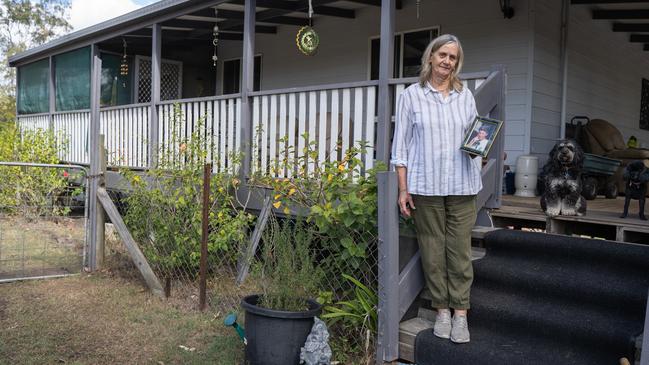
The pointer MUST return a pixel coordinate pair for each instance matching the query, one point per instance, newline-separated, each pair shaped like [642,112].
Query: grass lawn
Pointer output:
[102,319]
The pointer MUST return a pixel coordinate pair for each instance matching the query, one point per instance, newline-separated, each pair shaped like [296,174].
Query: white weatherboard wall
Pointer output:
[546,75]
[343,55]
[604,75]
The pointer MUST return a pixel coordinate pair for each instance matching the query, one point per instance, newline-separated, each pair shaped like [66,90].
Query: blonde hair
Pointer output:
[427,70]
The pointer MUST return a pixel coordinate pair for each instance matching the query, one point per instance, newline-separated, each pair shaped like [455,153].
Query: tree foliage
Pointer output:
[25,24]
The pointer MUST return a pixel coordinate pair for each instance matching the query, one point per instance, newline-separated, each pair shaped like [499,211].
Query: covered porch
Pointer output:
[77,87]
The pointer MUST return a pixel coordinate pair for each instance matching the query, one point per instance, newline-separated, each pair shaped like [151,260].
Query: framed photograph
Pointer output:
[481,136]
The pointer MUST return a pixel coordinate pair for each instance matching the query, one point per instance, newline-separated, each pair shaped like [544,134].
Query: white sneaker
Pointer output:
[442,328]
[460,331]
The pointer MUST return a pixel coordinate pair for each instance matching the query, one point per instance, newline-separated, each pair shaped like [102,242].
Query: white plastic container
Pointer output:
[527,169]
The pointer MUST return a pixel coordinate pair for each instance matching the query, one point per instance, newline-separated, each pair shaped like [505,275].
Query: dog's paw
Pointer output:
[643,217]
[623,216]
[552,211]
[568,211]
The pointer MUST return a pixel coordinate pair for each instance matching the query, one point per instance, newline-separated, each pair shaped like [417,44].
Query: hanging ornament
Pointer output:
[418,5]
[123,67]
[215,40]
[307,39]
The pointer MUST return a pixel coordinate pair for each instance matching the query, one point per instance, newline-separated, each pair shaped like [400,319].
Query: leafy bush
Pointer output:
[340,199]
[164,211]
[31,191]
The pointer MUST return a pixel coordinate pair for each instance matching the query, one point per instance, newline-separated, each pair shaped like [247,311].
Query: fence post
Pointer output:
[101,214]
[93,150]
[207,173]
[387,348]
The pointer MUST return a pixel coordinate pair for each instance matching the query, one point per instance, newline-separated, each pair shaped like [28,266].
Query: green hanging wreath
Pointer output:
[307,40]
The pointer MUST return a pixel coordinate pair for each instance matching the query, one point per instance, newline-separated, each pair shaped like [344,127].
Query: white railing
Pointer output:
[126,132]
[72,127]
[33,122]
[220,120]
[333,117]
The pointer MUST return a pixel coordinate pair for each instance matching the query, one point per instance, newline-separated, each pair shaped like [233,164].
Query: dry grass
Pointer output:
[103,319]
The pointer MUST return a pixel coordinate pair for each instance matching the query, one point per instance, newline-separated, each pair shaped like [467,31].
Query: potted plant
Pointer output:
[279,319]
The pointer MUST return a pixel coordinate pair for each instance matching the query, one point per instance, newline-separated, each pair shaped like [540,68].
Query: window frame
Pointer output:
[240,59]
[400,45]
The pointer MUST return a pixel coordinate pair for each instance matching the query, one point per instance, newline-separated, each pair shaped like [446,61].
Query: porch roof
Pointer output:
[193,15]
[87,35]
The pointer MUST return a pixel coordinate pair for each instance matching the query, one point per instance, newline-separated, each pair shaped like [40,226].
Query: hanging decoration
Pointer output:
[215,40]
[123,67]
[307,39]
[418,6]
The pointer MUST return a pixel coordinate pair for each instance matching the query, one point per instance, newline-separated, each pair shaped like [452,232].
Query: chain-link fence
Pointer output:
[164,215]
[42,220]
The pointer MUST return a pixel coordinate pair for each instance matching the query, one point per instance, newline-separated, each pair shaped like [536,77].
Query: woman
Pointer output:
[438,182]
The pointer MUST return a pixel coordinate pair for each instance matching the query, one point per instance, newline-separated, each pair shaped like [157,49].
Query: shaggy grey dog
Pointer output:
[562,193]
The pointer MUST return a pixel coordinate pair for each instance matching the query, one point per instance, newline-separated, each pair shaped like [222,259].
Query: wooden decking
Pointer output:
[602,219]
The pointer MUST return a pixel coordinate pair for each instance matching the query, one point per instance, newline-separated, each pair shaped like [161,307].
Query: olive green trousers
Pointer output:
[444,225]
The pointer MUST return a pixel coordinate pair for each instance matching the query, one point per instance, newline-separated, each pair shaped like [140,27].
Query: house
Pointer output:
[559,58]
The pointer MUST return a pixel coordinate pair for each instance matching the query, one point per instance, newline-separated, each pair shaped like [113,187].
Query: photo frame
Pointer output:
[481,135]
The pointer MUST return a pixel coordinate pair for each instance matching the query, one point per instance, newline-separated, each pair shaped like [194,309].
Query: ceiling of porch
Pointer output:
[626,16]
[196,28]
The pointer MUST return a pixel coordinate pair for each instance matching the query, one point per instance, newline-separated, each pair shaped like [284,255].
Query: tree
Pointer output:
[25,24]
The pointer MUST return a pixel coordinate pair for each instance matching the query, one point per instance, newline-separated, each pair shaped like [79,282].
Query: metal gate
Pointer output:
[43,218]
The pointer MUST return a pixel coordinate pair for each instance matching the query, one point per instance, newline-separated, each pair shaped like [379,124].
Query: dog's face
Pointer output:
[636,171]
[567,152]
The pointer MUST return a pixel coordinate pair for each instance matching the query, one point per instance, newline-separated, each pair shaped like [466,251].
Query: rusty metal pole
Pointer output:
[207,173]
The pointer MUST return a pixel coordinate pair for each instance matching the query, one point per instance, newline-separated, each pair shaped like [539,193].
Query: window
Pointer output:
[72,78]
[408,48]
[115,88]
[232,75]
[33,90]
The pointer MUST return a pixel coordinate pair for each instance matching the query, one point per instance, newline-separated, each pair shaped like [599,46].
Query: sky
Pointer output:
[84,13]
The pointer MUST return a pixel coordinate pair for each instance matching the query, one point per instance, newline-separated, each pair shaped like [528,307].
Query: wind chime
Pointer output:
[123,67]
[215,34]
[307,39]
[418,5]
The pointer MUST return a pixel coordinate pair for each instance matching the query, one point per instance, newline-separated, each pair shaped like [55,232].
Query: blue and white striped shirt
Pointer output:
[429,133]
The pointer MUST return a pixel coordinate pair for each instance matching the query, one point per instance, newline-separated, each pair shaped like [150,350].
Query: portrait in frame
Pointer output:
[481,135]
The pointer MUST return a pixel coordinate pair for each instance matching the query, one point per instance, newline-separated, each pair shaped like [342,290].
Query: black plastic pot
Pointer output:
[275,337]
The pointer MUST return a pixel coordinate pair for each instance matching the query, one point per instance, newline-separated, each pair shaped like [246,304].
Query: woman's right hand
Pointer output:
[405,203]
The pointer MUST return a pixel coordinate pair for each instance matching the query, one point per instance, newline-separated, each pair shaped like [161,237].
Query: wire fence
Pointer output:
[164,217]
[42,220]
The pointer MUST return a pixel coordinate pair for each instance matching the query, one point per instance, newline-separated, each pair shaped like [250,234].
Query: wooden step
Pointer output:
[408,331]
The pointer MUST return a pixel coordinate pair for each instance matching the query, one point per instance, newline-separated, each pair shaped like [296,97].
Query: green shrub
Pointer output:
[31,191]
[164,207]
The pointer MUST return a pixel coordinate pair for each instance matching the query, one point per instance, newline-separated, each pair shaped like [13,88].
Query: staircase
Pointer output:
[547,299]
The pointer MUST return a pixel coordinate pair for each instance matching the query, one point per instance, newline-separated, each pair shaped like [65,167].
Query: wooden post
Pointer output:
[387,348]
[101,214]
[93,151]
[207,173]
[156,67]
[136,255]
[247,83]
[52,93]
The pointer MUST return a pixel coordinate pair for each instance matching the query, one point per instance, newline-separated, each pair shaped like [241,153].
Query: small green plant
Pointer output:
[358,313]
[286,270]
